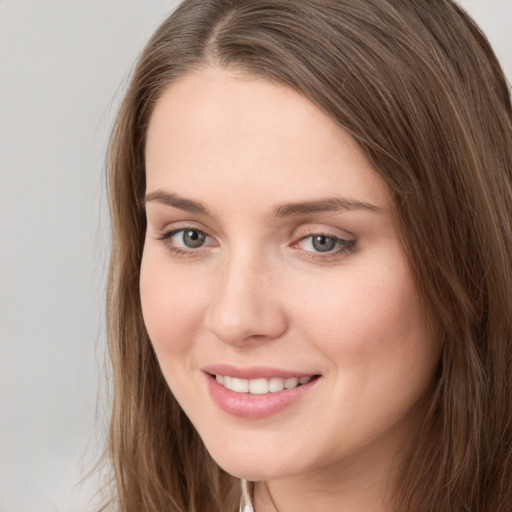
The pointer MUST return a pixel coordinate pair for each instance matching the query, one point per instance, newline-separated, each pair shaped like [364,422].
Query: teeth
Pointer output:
[260,386]
[275,384]
[291,382]
[240,385]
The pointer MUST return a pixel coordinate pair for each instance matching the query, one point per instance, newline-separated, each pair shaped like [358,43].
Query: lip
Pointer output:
[253,372]
[246,405]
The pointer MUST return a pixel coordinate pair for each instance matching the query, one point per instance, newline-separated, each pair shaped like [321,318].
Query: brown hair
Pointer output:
[419,88]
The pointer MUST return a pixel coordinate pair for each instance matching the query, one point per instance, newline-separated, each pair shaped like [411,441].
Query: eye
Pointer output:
[191,238]
[324,244]
[186,240]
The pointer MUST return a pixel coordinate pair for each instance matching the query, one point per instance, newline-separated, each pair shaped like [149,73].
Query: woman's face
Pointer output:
[272,265]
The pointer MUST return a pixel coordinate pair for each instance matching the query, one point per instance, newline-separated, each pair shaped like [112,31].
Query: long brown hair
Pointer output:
[419,88]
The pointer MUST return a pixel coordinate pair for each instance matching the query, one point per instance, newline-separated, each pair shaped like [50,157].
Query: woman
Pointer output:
[310,282]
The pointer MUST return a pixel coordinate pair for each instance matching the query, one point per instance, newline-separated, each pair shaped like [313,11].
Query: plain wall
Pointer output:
[63,67]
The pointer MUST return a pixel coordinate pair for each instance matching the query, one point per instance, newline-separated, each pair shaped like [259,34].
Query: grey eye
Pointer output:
[322,243]
[193,238]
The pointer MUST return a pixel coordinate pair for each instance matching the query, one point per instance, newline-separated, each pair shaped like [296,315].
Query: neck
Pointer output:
[360,493]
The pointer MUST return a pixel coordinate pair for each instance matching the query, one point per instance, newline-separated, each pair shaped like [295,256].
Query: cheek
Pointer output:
[380,359]
[172,305]
[370,323]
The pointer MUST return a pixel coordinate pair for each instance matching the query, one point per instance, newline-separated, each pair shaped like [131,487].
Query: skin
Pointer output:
[259,293]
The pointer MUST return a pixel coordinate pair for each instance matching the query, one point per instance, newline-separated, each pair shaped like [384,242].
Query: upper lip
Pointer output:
[253,372]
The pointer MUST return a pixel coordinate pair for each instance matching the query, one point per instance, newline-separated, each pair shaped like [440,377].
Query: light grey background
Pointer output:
[63,67]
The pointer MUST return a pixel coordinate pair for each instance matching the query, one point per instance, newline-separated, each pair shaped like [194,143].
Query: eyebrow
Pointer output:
[330,204]
[168,199]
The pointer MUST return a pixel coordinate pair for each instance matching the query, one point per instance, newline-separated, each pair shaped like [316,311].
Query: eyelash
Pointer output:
[342,246]
[179,251]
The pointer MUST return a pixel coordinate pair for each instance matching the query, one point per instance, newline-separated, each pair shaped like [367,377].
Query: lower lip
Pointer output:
[247,405]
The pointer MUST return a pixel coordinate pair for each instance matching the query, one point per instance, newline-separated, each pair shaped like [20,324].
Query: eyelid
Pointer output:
[165,236]
[345,243]
[322,229]
[167,227]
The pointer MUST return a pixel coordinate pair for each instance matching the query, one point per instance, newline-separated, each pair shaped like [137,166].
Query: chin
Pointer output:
[253,473]
[252,464]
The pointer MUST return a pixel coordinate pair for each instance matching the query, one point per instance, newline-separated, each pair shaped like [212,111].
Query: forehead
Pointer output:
[219,126]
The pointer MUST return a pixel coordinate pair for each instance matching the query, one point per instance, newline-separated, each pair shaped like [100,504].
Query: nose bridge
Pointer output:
[245,303]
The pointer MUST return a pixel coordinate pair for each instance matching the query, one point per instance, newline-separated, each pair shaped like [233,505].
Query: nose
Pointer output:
[245,305]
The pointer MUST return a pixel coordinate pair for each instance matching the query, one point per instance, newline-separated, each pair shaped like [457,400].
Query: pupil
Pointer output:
[193,238]
[323,243]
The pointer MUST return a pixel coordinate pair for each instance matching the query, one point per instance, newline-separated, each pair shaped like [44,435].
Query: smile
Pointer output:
[261,386]
[257,392]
